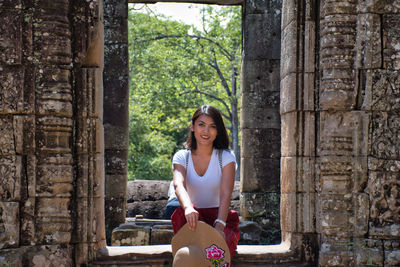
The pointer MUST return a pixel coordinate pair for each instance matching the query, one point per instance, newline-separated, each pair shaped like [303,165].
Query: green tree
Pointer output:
[174,69]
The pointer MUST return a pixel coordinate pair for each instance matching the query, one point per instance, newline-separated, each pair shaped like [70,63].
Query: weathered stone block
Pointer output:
[382,90]
[139,190]
[391,39]
[288,212]
[12,257]
[261,40]
[161,235]
[288,93]
[53,220]
[385,135]
[289,12]
[309,92]
[260,143]
[262,117]
[289,134]
[307,135]
[342,133]
[250,233]
[9,224]
[116,65]
[116,162]
[115,186]
[306,172]
[336,253]
[289,52]
[369,45]
[288,174]
[383,188]
[115,213]
[306,212]
[115,9]
[149,209]
[90,97]
[335,175]
[368,252]
[370,7]
[136,236]
[49,255]
[7,143]
[27,220]
[392,252]
[11,82]
[258,204]
[10,182]
[11,35]
[98,183]
[115,137]
[261,175]
[115,30]
[309,45]
[334,216]
[361,208]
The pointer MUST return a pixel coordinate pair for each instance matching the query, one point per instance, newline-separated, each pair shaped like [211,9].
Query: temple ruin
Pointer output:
[320,132]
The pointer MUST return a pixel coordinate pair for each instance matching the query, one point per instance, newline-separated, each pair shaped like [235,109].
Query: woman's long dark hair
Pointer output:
[222,139]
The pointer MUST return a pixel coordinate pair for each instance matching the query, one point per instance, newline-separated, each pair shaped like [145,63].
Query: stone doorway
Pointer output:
[260,119]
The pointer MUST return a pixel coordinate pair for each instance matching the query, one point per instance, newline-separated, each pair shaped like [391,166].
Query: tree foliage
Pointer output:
[174,68]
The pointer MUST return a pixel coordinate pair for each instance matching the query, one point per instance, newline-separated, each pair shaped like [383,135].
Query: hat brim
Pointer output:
[204,237]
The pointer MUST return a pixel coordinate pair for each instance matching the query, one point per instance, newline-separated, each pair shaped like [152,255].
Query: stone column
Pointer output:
[88,47]
[298,113]
[341,143]
[260,119]
[116,111]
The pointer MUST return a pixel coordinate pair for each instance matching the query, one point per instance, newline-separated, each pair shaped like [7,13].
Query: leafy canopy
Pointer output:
[171,74]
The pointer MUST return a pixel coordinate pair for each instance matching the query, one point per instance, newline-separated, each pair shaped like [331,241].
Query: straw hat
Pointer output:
[203,247]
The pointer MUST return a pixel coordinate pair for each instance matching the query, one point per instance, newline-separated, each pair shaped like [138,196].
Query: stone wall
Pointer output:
[116,111]
[51,161]
[358,179]
[149,197]
[260,119]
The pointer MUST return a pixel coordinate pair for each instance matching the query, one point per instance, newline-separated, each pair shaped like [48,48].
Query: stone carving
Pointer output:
[384,191]
[10,36]
[9,224]
[6,137]
[338,26]
[385,135]
[391,39]
[385,87]
[11,88]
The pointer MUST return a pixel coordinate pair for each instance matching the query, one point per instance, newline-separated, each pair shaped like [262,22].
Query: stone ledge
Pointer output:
[247,255]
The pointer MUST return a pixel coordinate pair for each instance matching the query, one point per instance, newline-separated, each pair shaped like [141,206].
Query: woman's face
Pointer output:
[205,130]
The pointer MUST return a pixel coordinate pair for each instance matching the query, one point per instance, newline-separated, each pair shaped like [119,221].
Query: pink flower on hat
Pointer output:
[215,254]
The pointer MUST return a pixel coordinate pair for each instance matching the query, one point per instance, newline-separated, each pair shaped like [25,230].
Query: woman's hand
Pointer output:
[192,216]
[220,228]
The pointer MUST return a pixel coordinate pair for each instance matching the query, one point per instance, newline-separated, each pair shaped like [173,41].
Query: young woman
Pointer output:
[204,175]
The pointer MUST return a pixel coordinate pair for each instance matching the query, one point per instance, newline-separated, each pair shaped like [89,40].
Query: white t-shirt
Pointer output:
[204,190]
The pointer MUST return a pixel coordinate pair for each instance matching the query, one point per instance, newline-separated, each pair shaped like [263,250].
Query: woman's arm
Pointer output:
[191,214]
[227,183]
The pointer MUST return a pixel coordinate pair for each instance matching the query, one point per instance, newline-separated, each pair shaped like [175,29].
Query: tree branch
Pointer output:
[162,36]
[224,83]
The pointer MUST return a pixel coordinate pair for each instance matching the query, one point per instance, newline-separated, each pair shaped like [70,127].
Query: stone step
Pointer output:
[161,256]
[139,231]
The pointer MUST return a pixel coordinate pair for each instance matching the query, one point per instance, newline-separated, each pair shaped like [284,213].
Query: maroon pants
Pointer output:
[208,216]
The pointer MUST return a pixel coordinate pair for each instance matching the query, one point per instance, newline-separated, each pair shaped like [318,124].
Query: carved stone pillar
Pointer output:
[116,112]
[260,119]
